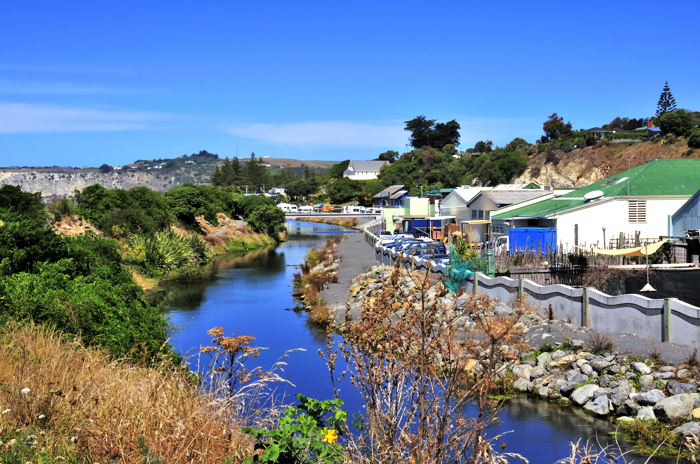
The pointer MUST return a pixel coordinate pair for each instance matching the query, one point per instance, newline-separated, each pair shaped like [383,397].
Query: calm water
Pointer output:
[252,295]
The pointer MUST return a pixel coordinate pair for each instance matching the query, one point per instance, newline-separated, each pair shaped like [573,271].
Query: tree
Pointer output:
[268,220]
[694,139]
[105,168]
[678,123]
[301,188]
[554,127]
[666,102]
[255,174]
[389,156]
[483,147]
[425,133]
[228,174]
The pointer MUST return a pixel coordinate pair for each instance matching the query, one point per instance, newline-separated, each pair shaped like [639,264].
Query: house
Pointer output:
[481,205]
[402,218]
[684,228]
[599,131]
[471,207]
[390,197]
[634,202]
[364,170]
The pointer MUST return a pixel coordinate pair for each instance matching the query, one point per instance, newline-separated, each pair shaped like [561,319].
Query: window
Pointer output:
[498,230]
[481,214]
[637,211]
[487,215]
[473,214]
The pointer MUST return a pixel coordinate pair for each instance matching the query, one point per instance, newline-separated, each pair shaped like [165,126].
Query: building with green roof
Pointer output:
[638,200]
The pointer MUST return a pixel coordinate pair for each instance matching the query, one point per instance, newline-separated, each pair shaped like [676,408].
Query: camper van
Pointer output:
[287,208]
[353,209]
[306,209]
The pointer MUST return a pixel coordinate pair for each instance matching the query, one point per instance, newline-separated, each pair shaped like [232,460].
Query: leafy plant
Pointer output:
[307,433]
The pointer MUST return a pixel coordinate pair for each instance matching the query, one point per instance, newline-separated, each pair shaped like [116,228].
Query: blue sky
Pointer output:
[85,83]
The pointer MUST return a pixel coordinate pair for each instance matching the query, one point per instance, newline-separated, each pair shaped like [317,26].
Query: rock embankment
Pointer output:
[568,372]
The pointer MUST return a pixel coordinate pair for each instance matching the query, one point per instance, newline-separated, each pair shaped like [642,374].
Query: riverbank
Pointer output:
[651,389]
[348,223]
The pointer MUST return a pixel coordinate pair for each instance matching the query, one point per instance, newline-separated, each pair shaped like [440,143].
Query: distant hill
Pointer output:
[156,174]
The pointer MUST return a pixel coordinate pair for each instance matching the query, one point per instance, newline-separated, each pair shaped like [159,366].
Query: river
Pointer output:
[252,295]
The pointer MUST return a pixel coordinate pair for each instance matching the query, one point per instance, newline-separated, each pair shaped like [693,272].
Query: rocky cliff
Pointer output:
[584,166]
[63,182]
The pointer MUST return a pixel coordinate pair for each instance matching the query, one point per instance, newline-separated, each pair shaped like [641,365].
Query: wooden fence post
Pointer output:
[476,283]
[521,290]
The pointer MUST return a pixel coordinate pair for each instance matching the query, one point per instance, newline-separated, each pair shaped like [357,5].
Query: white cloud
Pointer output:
[325,134]
[18,118]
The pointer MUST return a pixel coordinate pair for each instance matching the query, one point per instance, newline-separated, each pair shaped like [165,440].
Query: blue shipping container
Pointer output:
[543,239]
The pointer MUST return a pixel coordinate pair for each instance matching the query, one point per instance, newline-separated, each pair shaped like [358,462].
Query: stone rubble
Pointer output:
[602,384]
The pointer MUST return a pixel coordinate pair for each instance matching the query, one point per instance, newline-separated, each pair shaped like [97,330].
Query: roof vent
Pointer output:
[547,187]
[594,195]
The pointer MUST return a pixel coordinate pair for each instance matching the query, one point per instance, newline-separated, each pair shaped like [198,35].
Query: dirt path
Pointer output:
[356,257]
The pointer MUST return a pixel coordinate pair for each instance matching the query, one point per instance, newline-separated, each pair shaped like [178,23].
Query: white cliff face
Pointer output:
[64,183]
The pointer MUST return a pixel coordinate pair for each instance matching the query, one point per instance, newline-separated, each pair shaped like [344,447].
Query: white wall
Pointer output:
[614,216]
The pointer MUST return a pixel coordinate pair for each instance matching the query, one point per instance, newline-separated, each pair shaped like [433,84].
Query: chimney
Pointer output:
[650,124]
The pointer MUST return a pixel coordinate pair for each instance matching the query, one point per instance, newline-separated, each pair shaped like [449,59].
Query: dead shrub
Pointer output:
[655,352]
[691,360]
[600,342]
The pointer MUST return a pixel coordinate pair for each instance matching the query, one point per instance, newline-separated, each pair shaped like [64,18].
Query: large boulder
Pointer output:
[537,372]
[544,359]
[572,384]
[584,394]
[562,362]
[620,394]
[502,309]
[600,406]
[522,371]
[646,413]
[651,397]
[674,407]
[641,368]
[675,387]
[628,408]
[691,429]
[600,364]
[522,385]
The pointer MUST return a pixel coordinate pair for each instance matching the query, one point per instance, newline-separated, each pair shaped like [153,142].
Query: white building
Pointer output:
[364,170]
[636,201]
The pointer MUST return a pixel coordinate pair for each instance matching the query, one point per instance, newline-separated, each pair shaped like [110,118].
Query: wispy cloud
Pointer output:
[18,118]
[324,134]
[35,87]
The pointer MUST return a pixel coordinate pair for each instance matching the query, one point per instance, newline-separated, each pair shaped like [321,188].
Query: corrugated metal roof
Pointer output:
[367,165]
[666,177]
[387,192]
[508,197]
[397,195]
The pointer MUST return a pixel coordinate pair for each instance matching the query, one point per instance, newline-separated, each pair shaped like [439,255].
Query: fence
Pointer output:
[666,320]
[662,319]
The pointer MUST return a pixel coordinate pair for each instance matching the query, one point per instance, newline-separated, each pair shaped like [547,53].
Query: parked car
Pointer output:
[400,241]
[410,242]
[395,237]
[383,233]
[439,247]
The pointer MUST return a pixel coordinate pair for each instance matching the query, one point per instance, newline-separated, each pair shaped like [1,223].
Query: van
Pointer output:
[306,209]
[287,208]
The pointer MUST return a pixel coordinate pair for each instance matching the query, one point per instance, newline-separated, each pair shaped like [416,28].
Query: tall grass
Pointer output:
[77,403]
[168,250]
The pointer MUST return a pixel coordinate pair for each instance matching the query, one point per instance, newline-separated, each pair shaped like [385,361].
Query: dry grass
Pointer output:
[342,222]
[600,342]
[308,285]
[85,407]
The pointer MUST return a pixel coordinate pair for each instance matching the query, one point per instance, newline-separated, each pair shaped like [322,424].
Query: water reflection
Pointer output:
[252,294]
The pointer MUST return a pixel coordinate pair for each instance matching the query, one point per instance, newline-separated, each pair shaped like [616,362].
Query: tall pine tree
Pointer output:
[666,102]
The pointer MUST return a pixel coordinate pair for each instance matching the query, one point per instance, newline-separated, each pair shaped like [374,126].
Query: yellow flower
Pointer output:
[330,436]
